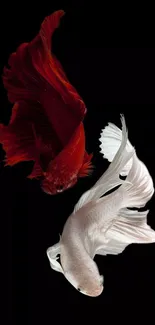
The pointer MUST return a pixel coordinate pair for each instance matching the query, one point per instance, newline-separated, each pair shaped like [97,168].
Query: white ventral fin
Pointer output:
[52,253]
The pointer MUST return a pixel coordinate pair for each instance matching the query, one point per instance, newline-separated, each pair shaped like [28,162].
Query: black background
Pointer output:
[111,81]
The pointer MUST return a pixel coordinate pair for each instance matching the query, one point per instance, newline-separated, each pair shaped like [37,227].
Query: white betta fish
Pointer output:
[104,224]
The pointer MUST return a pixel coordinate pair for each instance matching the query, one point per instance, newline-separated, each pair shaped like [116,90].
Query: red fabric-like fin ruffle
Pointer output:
[36,75]
[46,123]
[21,143]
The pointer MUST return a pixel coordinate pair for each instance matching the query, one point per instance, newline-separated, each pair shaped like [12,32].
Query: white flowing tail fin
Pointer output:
[142,189]
[130,228]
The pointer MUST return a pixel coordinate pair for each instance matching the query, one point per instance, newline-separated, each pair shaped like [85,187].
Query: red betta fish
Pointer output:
[46,123]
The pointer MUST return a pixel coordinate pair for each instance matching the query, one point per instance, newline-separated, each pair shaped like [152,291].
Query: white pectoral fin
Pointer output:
[52,253]
[130,228]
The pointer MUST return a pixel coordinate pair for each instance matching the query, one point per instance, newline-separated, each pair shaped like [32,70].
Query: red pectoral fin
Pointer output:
[87,166]
[37,172]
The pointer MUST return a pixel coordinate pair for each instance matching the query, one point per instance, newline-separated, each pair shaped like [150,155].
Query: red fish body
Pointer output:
[46,123]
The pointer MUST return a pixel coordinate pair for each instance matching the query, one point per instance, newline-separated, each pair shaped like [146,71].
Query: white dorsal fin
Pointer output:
[111,137]
[110,179]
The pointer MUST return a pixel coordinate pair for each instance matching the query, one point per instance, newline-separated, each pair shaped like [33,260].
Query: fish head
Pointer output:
[88,286]
[86,281]
[71,163]
[53,184]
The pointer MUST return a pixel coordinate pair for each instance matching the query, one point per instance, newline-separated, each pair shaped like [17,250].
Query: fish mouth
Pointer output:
[95,293]
[47,188]
[60,191]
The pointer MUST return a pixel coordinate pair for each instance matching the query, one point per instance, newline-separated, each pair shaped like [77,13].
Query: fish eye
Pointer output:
[79,289]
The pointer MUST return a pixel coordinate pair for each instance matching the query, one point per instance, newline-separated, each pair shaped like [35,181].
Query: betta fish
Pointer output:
[46,125]
[103,223]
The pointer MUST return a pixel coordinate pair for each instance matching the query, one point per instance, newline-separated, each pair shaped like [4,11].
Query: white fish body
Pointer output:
[104,225]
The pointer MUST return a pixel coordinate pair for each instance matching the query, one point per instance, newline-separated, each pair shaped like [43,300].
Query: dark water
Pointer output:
[111,81]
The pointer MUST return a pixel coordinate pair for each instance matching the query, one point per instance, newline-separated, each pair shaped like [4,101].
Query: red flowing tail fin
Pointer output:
[33,69]
[28,137]
[17,144]
[36,75]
